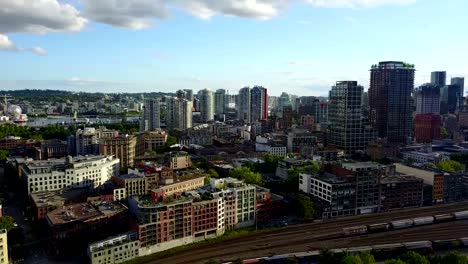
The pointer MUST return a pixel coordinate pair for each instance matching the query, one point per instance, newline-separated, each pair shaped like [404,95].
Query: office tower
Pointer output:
[220,103]
[259,103]
[459,82]
[345,115]
[206,105]
[321,111]
[439,78]
[427,99]
[427,127]
[179,114]
[284,100]
[151,115]
[390,100]
[243,105]
[188,94]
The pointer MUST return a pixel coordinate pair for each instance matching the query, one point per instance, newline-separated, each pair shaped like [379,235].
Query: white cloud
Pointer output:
[134,14]
[257,9]
[39,51]
[7,45]
[39,16]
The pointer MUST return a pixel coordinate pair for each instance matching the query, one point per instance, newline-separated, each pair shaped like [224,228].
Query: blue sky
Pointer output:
[298,46]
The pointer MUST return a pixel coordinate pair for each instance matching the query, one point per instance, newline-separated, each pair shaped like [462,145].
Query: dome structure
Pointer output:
[14,110]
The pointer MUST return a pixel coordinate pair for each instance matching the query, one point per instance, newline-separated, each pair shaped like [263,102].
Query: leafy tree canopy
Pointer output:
[246,175]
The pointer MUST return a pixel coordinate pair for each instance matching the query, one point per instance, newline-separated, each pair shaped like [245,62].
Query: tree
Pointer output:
[246,175]
[351,259]
[213,173]
[412,257]
[444,133]
[4,154]
[305,207]
[7,222]
[451,166]
[171,141]
[455,258]
[394,261]
[367,257]
[207,179]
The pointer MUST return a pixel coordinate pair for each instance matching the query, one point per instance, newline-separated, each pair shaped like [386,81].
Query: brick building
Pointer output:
[400,191]
[122,147]
[427,127]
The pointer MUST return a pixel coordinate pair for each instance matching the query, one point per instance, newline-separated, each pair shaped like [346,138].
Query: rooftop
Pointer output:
[130,176]
[71,213]
[146,201]
[399,179]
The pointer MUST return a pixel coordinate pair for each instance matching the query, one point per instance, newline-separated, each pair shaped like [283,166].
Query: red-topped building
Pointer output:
[427,127]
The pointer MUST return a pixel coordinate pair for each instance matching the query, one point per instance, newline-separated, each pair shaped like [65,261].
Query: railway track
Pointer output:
[304,236]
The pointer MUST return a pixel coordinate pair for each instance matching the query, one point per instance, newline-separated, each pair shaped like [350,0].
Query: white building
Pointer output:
[69,173]
[239,199]
[206,105]
[424,157]
[151,115]
[264,145]
[179,113]
[117,249]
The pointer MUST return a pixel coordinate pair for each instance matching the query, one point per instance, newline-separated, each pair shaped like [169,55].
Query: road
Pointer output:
[310,236]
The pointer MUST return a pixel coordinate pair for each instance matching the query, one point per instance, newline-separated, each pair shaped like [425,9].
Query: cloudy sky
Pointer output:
[297,46]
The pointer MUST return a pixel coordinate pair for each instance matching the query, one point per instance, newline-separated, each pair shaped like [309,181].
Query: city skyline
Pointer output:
[281,45]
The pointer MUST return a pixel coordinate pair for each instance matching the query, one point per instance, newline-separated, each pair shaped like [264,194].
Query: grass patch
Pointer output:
[227,236]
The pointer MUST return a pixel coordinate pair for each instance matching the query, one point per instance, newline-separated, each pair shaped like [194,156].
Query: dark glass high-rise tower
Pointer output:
[390,101]
[345,116]
[439,78]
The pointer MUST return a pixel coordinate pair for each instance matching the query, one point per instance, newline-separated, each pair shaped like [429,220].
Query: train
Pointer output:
[399,224]
[312,256]
[382,250]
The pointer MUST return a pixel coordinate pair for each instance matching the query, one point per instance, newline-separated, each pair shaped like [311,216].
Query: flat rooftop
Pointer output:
[146,201]
[71,213]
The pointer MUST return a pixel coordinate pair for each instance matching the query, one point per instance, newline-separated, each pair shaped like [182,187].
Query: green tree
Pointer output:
[7,222]
[367,257]
[412,257]
[246,175]
[213,173]
[4,154]
[171,141]
[351,259]
[207,179]
[450,165]
[305,207]
[454,258]
[395,261]
[444,133]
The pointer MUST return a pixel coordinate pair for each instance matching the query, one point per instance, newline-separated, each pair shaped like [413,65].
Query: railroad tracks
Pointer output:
[303,237]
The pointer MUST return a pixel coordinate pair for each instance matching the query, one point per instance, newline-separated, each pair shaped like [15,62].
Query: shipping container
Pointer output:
[355,230]
[443,218]
[423,220]
[399,224]
[418,245]
[378,227]
[461,215]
